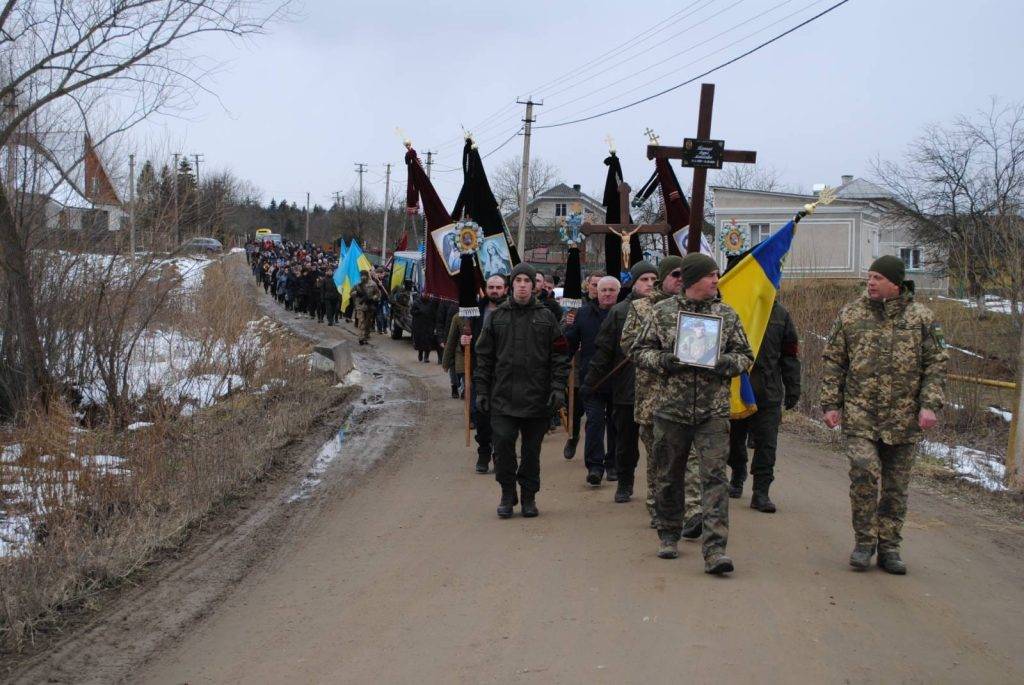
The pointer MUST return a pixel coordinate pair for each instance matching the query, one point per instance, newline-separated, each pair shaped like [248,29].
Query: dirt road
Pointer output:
[412,578]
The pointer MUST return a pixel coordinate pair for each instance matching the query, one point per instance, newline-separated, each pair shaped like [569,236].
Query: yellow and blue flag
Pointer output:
[750,287]
[398,272]
[346,276]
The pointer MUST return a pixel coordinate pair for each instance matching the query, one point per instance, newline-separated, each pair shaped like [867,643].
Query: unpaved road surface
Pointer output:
[411,578]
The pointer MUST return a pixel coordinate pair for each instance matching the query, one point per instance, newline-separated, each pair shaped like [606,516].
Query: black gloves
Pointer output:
[483,403]
[556,400]
[669,363]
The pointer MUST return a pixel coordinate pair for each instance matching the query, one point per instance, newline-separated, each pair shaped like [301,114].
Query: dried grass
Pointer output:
[95,527]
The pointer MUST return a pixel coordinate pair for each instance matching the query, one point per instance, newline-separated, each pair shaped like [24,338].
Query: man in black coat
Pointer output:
[522,364]
[611,367]
[775,379]
[581,333]
[330,297]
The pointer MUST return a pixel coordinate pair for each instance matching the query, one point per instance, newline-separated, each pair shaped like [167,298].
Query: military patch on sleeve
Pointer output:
[937,334]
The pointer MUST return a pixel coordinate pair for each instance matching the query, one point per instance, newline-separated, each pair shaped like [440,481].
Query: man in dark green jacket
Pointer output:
[775,379]
[522,364]
[610,367]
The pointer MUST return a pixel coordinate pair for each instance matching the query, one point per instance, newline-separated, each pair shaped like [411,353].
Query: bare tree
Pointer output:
[961,193]
[745,177]
[507,177]
[74,63]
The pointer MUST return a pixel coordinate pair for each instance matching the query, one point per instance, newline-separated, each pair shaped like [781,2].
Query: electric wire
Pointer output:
[702,75]
[690,49]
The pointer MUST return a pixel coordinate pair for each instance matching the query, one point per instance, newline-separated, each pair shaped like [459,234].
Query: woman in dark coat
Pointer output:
[424,339]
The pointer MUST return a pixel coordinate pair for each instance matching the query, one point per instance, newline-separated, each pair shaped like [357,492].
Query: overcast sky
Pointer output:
[297,108]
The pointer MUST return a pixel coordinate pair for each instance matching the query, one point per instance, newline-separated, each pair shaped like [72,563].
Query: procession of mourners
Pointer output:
[658,358]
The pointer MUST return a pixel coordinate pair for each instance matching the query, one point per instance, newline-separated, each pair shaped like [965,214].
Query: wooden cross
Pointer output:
[624,229]
[700,174]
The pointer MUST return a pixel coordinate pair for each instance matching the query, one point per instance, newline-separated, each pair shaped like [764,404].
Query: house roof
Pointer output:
[563,191]
[66,167]
[859,189]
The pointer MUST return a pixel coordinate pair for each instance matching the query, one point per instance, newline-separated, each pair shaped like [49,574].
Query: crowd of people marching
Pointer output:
[638,375]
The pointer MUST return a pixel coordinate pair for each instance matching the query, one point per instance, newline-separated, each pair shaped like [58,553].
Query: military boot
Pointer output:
[624,490]
[760,499]
[717,562]
[594,474]
[860,557]
[890,562]
[739,476]
[529,505]
[693,527]
[669,545]
[482,464]
[570,448]
[508,501]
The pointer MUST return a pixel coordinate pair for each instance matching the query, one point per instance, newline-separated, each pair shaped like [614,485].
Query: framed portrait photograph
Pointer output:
[698,339]
[446,240]
[493,256]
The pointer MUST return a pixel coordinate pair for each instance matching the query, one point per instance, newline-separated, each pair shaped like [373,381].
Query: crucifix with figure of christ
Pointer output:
[701,154]
[624,229]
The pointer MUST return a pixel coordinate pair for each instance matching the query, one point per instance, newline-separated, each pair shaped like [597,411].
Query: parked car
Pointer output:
[200,245]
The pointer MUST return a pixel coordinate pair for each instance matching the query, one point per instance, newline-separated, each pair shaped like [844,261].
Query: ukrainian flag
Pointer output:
[750,288]
[346,276]
[398,272]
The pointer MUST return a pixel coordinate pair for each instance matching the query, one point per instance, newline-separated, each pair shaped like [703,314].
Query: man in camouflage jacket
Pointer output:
[884,376]
[648,389]
[366,297]
[693,410]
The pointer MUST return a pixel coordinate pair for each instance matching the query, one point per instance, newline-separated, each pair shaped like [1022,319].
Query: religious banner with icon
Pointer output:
[733,239]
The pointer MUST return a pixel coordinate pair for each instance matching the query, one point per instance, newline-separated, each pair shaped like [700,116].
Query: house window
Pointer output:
[561,209]
[911,257]
[759,233]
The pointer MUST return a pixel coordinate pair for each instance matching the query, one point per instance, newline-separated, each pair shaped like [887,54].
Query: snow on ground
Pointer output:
[993,303]
[138,425]
[974,466]
[28,493]
[1002,413]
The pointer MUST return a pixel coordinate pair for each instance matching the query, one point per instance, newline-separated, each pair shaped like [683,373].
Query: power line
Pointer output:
[683,52]
[700,76]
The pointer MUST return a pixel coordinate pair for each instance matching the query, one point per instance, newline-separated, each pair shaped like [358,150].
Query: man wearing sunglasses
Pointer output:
[693,410]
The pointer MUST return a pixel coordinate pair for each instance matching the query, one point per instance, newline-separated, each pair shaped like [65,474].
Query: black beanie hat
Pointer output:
[641,268]
[891,267]
[667,266]
[696,266]
[523,268]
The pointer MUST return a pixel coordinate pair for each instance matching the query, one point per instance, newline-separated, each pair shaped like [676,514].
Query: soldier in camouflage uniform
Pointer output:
[366,297]
[648,386]
[885,365]
[693,410]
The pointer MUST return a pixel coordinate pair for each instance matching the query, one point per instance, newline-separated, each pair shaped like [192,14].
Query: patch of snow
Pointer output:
[10,454]
[328,453]
[15,534]
[963,351]
[993,303]
[236,249]
[974,466]
[139,424]
[203,390]
[1002,413]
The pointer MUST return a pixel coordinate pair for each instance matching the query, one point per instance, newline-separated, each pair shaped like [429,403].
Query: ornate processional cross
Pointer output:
[701,154]
[624,229]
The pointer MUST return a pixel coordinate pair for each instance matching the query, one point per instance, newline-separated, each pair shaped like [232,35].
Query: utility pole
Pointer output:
[131,204]
[1015,450]
[198,157]
[387,206]
[430,161]
[524,181]
[307,216]
[360,169]
[177,218]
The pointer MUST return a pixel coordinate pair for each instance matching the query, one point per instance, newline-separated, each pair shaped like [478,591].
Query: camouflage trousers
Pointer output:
[691,482]
[367,317]
[878,515]
[709,443]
